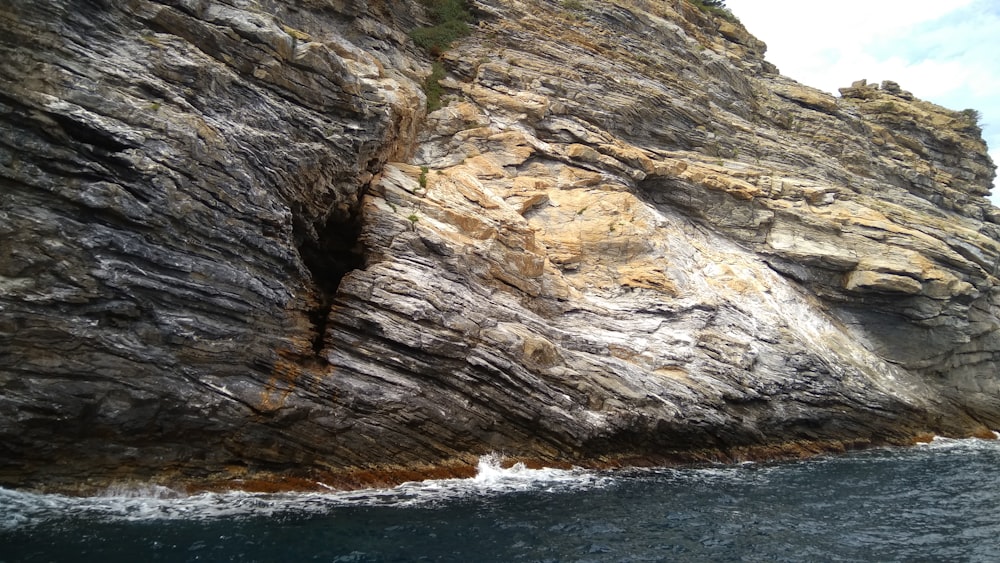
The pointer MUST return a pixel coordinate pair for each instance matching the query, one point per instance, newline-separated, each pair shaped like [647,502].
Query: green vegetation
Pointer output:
[451,22]
[413,217]
[710,5]
[716,7]
[972,115]
[422,180]
[433,88]
[572,4]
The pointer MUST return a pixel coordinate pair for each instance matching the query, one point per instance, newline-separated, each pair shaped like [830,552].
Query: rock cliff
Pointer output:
[236,248]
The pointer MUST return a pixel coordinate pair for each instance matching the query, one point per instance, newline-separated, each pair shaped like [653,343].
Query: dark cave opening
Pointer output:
[329,256]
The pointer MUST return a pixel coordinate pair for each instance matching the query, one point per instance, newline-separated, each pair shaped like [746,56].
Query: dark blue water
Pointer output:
[939,502]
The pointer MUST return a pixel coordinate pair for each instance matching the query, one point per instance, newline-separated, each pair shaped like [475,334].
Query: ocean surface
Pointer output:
[934,502]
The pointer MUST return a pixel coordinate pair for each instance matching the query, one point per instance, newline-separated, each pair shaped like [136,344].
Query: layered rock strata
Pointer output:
[234,245]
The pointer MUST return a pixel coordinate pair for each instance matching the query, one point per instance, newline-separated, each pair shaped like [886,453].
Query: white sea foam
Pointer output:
[491,476]
[131,503]
[942,443]
[20,509]
[491,479]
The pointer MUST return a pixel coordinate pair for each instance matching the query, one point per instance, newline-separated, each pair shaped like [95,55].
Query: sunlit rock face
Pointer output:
[236,245]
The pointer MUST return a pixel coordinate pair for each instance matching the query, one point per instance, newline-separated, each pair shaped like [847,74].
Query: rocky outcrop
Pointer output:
[181,185]
[234,245]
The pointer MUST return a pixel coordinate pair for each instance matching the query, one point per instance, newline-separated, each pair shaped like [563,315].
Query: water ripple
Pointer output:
[934,502]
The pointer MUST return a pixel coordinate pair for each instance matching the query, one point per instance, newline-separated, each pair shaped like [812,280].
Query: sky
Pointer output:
[943,51]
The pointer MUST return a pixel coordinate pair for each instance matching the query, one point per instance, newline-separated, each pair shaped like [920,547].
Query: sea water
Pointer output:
[935,502]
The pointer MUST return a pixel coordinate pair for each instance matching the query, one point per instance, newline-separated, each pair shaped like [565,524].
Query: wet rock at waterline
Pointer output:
[236,245]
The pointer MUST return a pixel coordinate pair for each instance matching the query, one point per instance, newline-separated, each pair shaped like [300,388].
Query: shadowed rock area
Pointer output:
[235,249]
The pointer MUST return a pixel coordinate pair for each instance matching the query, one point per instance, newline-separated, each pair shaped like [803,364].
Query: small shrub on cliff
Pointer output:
[451,22]
[422,179]
[972,115]
[432,86]
[717,7]
[970,121]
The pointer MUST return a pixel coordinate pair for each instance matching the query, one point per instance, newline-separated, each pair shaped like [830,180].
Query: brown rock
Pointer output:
[868,281]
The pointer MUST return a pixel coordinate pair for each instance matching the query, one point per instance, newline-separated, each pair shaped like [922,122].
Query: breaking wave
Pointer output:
[153,502]
[935,502]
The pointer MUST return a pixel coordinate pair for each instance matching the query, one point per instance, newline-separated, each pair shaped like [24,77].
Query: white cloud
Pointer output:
[944,52]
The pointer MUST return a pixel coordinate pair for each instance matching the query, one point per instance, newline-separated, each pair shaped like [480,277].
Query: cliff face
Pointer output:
[233,244]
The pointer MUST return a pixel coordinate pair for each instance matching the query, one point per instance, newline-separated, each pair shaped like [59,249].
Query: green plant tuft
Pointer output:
[432,86]
[451,22]
[422,180]
[710,5]
[972,115]
[715,7]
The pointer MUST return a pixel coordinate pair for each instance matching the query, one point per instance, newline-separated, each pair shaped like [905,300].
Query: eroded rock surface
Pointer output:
[233,244]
